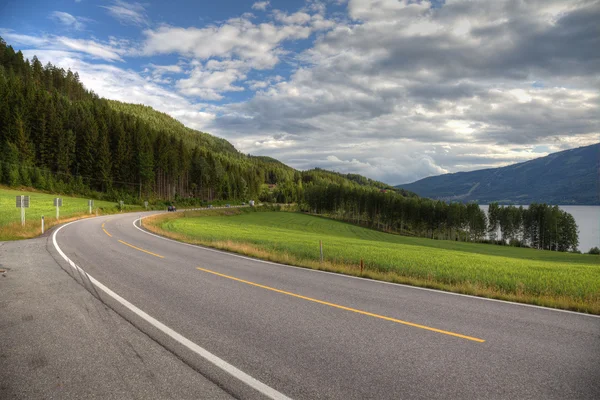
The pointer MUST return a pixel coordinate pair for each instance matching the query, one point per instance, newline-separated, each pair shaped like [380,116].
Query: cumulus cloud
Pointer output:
[208,83]
[128,13]
[224,54]
[257,44]
[260,5]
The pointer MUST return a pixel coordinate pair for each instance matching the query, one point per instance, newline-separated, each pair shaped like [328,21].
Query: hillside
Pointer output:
[566,177]
[170,125]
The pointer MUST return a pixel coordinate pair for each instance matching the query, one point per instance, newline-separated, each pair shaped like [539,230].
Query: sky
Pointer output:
[396,90]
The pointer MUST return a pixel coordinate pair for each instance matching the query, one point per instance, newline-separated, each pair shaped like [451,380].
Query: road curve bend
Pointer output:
[265,330]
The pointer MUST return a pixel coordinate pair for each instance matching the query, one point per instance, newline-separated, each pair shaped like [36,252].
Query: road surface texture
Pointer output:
[275,331]
[59,342]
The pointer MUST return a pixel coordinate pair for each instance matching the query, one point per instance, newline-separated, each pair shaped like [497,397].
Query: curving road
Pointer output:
[263,330]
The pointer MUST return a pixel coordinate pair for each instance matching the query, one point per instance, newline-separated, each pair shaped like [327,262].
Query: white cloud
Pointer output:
[229,50]
[66,19]
[25,40]
[128,13]
[260,5]
[263,84]
[93,49]
[161,73]
[207,83]
[257,44]
[297,18]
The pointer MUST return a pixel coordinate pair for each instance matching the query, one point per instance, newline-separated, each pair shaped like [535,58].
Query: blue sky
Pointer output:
[396,90]
[102,21]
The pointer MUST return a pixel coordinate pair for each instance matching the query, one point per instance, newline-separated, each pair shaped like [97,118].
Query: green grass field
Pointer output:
[42,204]
[554,279]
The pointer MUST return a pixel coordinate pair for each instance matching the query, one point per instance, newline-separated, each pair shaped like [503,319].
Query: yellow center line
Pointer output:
[399,321]
[105,229]
[137,248]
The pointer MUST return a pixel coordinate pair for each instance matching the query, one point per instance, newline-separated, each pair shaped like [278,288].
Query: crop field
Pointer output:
[42,204]
[569,281]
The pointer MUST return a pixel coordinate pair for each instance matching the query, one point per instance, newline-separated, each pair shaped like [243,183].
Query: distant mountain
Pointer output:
[566,177]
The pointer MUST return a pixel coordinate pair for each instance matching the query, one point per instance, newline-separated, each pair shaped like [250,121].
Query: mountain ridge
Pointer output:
[568,177]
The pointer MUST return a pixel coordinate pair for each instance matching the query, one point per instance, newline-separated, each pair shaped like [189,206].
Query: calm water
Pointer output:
[588,222]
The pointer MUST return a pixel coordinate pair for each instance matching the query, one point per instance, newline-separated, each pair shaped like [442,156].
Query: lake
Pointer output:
[588,222]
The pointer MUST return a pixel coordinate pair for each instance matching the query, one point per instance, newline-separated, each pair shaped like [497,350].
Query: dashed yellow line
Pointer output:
[137,248]
[105,230]
[132,246]
[399,321]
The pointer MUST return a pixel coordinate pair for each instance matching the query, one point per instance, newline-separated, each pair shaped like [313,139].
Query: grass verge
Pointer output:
[558,280]
[42,204]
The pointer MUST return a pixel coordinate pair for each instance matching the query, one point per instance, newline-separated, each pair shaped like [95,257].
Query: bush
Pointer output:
[594,250]
[515,243]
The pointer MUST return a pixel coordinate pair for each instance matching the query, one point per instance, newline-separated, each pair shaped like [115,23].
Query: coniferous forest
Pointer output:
[59,137]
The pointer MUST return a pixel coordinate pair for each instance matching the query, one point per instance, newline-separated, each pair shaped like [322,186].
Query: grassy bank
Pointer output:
[42,204]
[561,280]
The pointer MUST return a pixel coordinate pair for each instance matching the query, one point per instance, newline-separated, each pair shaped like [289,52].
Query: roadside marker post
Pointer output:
[121,205]
[42,224]
[22,203]
[146,204]
[58,203]
[90,205]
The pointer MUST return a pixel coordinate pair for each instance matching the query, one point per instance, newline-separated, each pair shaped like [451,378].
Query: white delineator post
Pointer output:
[58,204]
[42,224]
[22,203]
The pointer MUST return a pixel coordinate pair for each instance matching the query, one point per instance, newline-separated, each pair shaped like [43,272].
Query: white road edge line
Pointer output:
[224,365]
[358,277]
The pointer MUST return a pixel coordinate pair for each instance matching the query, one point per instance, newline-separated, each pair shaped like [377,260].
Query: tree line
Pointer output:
[539,226]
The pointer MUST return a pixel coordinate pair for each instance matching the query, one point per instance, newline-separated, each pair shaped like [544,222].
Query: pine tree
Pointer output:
[103,159]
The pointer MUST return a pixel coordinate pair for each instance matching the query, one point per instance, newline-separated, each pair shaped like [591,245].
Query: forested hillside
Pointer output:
[168,124]
[566,177]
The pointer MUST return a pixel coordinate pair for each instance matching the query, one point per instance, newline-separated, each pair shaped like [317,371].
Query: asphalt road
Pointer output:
[58,342]
[307,334]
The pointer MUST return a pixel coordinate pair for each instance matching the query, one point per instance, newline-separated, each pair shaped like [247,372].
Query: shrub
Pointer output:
[594,250]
